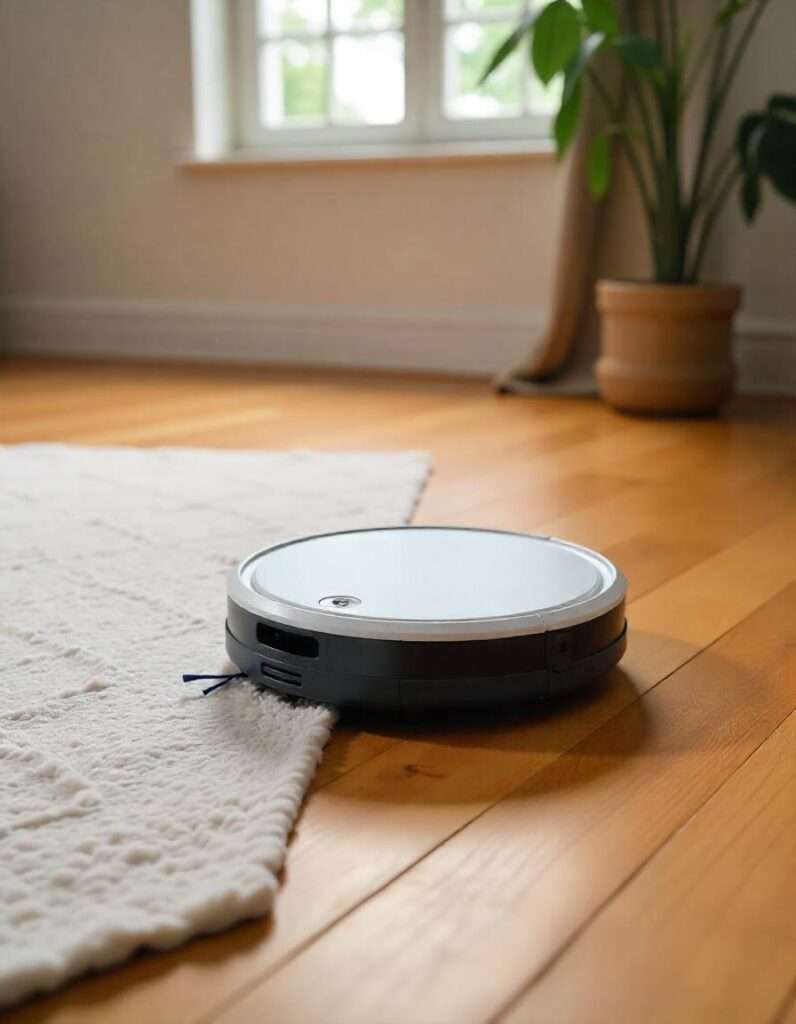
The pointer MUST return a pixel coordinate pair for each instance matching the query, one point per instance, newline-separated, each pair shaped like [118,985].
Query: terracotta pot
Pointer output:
[665,349]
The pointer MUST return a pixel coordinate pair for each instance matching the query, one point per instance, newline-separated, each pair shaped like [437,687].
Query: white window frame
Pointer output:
[424,121]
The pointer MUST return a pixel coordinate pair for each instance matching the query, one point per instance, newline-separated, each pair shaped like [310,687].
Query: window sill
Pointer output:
[402,153]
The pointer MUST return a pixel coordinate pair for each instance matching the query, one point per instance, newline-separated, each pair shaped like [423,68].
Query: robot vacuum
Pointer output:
[425,617]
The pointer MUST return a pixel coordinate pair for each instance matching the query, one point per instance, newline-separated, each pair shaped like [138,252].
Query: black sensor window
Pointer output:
[285,640]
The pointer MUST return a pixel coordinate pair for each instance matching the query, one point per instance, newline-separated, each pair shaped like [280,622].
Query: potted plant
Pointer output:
[665,343]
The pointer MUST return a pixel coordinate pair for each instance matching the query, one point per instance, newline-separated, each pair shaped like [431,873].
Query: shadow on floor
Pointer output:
[475,756]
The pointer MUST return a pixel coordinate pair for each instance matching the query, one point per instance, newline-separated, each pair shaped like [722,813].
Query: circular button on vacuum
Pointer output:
[339,601]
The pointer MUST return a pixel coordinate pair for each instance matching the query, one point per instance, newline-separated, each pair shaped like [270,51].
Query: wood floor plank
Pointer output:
[89,424]
[520,483]
[348,748]
[538,864]
[687,613]
[614,516]
[707,931]
[711,508]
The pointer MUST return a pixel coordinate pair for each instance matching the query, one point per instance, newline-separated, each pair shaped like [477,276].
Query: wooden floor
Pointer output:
[626,857]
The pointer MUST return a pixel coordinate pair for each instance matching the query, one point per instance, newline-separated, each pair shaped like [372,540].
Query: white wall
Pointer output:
[95,106]
[96,112]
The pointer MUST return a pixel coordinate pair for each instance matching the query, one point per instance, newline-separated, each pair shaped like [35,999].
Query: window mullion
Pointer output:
[423,52]
[412,62]
[329,43]
[436,61]
[526,78]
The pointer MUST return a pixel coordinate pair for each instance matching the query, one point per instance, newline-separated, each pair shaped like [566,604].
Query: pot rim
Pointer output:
[638,284]
[653,297]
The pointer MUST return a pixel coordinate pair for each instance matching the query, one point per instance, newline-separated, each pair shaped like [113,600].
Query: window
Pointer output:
[319,72]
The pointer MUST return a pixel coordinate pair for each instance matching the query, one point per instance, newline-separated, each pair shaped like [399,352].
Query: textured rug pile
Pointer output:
[133,811]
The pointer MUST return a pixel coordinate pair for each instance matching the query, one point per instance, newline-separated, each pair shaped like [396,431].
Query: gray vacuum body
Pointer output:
[425,617]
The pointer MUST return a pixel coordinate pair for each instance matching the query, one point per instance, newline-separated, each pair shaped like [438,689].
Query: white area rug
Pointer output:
[133,811]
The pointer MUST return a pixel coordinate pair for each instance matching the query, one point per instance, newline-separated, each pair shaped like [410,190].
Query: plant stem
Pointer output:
[632,16]
[613,114]
[740,49]
[637,93]
[674,238]
[711,116]
[698,62]
[711,216]
[720,169]
[634,163]
[674,35]
[722,75]
[720,83]
[672,243]
[660,27]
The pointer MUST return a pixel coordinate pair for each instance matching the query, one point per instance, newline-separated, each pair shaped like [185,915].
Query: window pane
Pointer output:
[292,84]
[357,14]
[468,8]
[280,17]
[468,48]
[369,79]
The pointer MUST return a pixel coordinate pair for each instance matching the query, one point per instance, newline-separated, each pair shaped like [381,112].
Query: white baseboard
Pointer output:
[478,342]
[470,343]
[765,353]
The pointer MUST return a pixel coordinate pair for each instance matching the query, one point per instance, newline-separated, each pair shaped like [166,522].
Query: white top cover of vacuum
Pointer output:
[427,583]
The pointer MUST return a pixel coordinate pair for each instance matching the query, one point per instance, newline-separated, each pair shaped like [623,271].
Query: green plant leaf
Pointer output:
[599,165]
[566,121]
[746,132]
[555,39]
[639,52]
[750,196]
[776,155]
[601,16]
[779,104]
[766,146]
[507,47]
[750,134]
[730,9]
[586,50]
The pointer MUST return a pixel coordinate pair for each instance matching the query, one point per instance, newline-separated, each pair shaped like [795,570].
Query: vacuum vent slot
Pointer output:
[281,670]
[284,640]
[280,675]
